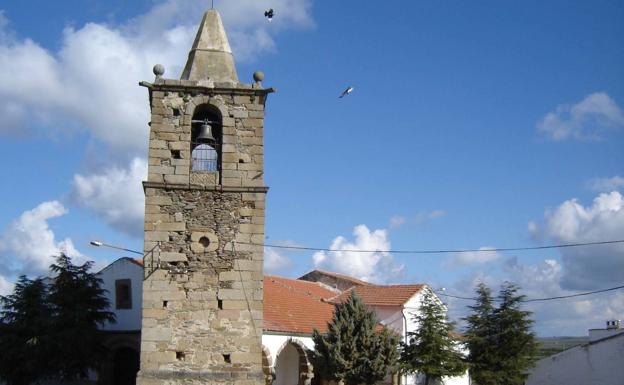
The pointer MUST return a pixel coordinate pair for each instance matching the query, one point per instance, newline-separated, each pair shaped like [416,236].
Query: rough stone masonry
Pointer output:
[202,294]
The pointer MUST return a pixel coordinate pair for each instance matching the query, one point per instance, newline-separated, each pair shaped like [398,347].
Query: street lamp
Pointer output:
[102,244]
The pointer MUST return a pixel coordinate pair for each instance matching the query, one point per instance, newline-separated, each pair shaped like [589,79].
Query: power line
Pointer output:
[558,246]
[541,299]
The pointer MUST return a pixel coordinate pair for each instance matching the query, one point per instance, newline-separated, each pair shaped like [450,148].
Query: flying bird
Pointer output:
[269,14]
[346,92]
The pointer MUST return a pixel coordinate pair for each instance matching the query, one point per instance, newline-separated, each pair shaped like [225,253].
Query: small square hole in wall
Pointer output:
[241,161]
[165,304]
[220,304]
[176,112]
[175,154]
[227,358]
[180,356]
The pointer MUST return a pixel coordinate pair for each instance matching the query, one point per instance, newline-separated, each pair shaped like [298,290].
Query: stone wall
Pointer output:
[202,297]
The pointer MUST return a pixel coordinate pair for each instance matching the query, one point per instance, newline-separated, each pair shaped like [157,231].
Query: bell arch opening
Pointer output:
[206,139]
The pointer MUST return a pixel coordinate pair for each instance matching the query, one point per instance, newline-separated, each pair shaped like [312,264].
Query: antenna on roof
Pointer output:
[212,5]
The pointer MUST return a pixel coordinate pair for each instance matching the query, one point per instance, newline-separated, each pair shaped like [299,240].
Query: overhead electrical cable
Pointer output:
[540,299]
[447,251]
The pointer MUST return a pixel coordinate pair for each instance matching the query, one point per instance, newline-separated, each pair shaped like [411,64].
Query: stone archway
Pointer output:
[292,365]
[267,366]
[122,358]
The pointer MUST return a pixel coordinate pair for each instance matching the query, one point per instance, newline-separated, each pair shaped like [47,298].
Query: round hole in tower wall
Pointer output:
[204,241]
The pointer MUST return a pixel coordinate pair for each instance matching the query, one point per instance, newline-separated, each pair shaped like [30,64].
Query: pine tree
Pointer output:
[24,333]
[79,307]
[502,345]
[354,349]
[480,338]
[431,350]
[515,340]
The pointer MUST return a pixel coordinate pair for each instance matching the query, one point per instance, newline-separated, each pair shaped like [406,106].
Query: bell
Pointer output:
[205,133]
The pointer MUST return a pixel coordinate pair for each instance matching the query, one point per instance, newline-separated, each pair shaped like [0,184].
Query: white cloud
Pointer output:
[91,82]
[274,261]
[473,257]
[116,195]
[377,267]
[591,267]
[397,221]
[587,119]
[428,216]
[28,245]
[570,317]
[606,184]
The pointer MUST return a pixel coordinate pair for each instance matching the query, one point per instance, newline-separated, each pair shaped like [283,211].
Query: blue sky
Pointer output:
[496,124]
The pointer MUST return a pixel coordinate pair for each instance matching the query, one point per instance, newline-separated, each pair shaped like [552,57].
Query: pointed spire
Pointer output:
[211,56]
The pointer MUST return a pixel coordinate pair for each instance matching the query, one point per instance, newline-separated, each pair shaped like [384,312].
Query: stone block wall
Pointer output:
[202,298]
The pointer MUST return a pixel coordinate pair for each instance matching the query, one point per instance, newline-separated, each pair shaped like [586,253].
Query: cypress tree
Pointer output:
[502,345]
[480,338]
[431,350]
[79,308]
[517,347]
[24,333]
[354,349]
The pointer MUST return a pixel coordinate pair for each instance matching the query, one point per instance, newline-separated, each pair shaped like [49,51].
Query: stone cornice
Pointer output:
[219,188]
[206,88]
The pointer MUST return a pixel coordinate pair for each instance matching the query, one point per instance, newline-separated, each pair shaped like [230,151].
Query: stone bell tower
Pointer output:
[204,211]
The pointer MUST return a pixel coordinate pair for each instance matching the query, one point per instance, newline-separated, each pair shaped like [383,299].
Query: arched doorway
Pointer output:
[292,366]
[125,366]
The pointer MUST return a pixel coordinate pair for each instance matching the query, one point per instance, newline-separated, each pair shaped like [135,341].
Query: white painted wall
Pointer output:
[600,362]
[274,342]
[124,268]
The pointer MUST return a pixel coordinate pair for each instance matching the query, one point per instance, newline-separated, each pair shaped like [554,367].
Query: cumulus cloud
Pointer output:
[275,262]
[606,184]
[473,257]
[116,196]
[591,267]
[587,119]
[377,267]
[570,317]
[90,83]
[28,245]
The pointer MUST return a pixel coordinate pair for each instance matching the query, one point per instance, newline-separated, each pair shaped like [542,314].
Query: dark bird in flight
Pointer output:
[346,92]
[269,14]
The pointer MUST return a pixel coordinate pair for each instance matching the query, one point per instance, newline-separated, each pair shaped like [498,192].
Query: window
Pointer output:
[123,294]
[206,139]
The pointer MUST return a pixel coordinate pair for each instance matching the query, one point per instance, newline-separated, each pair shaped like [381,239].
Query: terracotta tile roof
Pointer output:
[343,277]
[390,295]
[295,306]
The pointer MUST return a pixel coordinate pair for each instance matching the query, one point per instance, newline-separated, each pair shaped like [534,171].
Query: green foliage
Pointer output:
[354,350]
[502,345]
[53,332]
[24,333]
[432,350]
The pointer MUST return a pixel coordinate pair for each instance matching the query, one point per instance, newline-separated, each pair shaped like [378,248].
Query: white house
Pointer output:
[598,362]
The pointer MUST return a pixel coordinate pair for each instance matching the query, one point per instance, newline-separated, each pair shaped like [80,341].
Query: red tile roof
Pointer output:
[295,306]
[391,295]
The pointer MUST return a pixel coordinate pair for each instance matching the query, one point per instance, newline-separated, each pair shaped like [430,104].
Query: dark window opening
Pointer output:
[176,112]
[165,304]
[123,294]
[206,139]
[180,356]
[220,304]
[227,358]
[175,154]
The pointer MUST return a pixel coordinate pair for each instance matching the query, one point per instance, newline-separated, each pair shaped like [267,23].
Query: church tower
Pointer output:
[204,221]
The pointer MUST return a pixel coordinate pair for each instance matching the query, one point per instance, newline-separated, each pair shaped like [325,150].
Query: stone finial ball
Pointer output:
[258,76]
[159,70]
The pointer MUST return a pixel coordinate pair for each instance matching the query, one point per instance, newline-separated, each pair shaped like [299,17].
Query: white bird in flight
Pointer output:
[346,92]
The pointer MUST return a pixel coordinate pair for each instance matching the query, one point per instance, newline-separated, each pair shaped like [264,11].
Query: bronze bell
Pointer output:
[205,133]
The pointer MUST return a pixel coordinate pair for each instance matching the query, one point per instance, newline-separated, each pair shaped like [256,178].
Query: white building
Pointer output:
[598,362]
